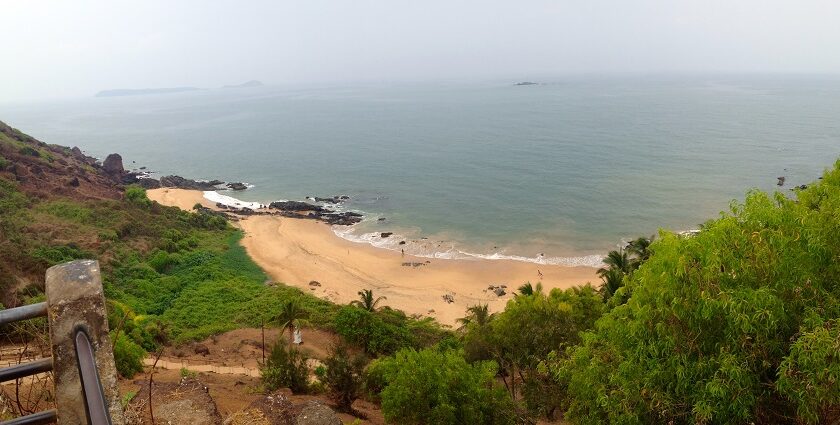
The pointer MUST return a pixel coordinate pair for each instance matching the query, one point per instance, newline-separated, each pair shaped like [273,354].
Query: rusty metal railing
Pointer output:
[22,370]
[82,362]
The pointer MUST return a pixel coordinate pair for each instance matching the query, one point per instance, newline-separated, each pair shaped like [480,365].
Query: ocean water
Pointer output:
[567,169]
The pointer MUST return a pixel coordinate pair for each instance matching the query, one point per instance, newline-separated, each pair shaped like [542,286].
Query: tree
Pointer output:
[735,324]
[367,301]
[528,289]
[612,280]
[639,248]
[478,315]
[616,260]
[291,315]
[432,387]
[343,376]
[285,368]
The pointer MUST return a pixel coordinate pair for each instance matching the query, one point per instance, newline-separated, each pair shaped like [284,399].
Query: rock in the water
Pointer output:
[113,164]
[781,181]
[182,183]
[236,186]
[295,206]
[316,413]
[402,243]
[385,234]
[148,183]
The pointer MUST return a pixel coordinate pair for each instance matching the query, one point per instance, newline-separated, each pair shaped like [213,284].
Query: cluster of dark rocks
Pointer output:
[113,166]
[499,290]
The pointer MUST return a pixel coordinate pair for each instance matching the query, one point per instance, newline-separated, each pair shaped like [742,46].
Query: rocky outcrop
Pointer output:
[316,413]
[236,186]
[277,409]
[295,206]
[187,402]
[184,183]
[113,164]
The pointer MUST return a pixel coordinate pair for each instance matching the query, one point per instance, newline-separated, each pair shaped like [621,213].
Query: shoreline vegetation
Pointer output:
[736,323]
[297,252]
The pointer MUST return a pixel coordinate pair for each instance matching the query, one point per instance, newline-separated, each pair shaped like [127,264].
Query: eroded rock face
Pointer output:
[183,183]
[187,402]
[316,413]
[113,164]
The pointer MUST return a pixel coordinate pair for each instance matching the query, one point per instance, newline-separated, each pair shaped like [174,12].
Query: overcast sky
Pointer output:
[58,49]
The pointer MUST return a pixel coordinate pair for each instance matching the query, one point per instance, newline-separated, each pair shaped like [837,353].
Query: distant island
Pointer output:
[168,90]
[252,83]
[526,83]
[140,92]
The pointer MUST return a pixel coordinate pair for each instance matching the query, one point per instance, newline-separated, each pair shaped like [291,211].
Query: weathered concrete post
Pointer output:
[76,304]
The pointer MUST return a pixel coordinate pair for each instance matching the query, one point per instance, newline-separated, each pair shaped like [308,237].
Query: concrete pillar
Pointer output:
[76,302]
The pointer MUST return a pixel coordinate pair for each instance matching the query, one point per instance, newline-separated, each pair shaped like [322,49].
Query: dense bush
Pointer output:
[433,387]
[369,331]
[342,375]
[128,356]
[285,368]
[737,324]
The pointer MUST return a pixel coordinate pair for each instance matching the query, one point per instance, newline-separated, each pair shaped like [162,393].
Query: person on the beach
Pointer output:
[402,251]
[539,273]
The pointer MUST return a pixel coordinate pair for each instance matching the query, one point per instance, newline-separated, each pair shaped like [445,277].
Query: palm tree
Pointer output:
[290,317]
[612,280]
[366,300]
[479,315]
[640,249]
[616,260]
[527,289]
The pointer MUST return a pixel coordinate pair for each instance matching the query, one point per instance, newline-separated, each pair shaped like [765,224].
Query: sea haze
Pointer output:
[568,167]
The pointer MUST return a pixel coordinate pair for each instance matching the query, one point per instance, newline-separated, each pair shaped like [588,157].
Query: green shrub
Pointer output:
[368,330]
[128,356]
[343,376]
[429,386]
[4,163]
[285,368]
[27,150]
[137,195]
[53,255]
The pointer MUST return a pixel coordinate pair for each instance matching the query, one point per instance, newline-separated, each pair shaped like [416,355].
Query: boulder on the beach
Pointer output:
[385,234]
[499,291]
[402,243]
[449,298]
[314,283]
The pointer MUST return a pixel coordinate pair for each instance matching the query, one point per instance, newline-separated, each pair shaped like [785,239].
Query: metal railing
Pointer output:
[82,363]
[22,370]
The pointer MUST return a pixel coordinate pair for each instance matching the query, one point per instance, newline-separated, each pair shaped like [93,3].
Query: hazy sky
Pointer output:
[53,49]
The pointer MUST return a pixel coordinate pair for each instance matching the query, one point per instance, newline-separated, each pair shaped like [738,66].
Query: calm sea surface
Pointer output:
[568,168]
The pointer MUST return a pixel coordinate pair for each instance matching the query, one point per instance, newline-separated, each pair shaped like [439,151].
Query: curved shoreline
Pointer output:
[297,251]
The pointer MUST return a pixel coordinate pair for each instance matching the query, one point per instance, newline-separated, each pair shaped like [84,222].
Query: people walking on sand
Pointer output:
[539,273]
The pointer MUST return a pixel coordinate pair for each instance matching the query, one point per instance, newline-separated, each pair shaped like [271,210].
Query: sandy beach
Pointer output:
[298,251]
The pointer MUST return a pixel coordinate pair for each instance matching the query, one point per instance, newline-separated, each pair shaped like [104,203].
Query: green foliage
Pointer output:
[53,255]
[810,374]
[28,150]
[285,368]
[4,163]
[367,301]
[186,373]
[128,356]
[369,331]
[429,386]
[137,195]
[343,376]
[736,324]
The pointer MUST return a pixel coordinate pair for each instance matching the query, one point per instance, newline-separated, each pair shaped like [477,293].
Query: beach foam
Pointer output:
[230,201]
[427,249]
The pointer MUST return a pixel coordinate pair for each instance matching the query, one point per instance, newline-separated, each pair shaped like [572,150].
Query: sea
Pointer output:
[558,172]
